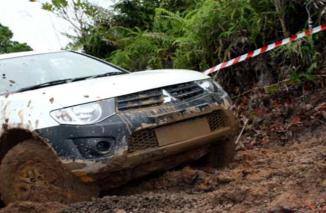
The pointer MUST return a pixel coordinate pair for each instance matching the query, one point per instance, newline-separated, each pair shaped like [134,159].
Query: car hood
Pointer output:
[31,109]
[90,90]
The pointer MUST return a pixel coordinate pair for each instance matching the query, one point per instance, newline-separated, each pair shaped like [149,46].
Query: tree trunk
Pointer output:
[280,9]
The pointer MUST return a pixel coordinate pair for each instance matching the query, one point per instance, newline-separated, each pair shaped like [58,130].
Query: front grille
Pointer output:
[145,139]
[216,120]
[142,140]
[141,99]
[185,91]
[155,97]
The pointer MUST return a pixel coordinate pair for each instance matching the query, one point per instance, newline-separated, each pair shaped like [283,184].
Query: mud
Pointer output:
[282,178]
[29,207]
[280,166]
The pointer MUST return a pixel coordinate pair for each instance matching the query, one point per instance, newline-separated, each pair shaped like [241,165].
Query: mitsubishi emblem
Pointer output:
[168,97]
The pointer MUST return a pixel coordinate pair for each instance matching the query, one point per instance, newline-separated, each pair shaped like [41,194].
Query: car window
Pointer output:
[26,71]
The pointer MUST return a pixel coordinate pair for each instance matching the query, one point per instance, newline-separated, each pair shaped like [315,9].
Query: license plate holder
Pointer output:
[182,131]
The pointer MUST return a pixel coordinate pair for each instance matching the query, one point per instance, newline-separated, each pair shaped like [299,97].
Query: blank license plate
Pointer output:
[182,131]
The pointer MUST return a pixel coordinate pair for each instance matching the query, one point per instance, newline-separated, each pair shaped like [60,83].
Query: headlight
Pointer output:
[85,114]
[213,87]
[208,85]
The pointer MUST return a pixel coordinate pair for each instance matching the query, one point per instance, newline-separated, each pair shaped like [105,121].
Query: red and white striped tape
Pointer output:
[265,49]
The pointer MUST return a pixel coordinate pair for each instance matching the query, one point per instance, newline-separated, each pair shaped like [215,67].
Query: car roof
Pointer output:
[29,53]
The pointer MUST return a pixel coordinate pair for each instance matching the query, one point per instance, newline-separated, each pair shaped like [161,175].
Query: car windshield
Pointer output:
[28,71]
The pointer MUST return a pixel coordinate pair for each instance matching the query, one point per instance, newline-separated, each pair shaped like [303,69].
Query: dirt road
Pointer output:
[281,178]
[280,167]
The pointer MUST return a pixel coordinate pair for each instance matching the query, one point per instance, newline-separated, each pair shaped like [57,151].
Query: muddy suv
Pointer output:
[74,125]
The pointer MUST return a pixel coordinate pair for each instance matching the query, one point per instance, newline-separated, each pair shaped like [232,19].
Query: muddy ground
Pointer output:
[290,177]
[280,166]
[287,178]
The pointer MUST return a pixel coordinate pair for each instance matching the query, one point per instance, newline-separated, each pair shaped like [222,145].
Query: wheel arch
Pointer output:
[11,137]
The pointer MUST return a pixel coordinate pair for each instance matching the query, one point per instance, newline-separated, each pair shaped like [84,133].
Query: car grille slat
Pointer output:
[140,100]
[185,91]
[180,87]
[141,104]
[155,97]
[185,95]
[139,96]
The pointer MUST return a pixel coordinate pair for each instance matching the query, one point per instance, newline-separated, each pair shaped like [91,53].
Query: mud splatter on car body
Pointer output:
[112,127]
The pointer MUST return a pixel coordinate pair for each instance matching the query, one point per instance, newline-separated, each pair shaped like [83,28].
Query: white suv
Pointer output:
[74,125]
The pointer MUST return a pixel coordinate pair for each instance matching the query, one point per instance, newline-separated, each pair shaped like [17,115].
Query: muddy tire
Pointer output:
[31,172]
[222,153]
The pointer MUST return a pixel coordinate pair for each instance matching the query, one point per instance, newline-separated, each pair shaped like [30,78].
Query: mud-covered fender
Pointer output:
[10,137]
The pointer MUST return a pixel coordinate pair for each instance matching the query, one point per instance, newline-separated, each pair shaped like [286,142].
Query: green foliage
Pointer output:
[6,43]
[89,23]
[303,57]
[143,50]
[55,4]
[79,13]
[140,14]
[156,48]
[197,34]
[136,13]
[215,30]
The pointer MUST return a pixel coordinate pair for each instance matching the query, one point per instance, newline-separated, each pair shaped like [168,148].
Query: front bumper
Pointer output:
[73,143]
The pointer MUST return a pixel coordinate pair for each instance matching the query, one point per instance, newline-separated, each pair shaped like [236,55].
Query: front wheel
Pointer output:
[222,153]
[31,172]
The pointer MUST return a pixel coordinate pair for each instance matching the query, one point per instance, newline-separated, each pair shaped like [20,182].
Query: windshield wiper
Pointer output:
[50,83]
[106,74]
[63,81]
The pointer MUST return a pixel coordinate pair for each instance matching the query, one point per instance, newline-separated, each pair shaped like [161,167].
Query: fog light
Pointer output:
[103,147]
